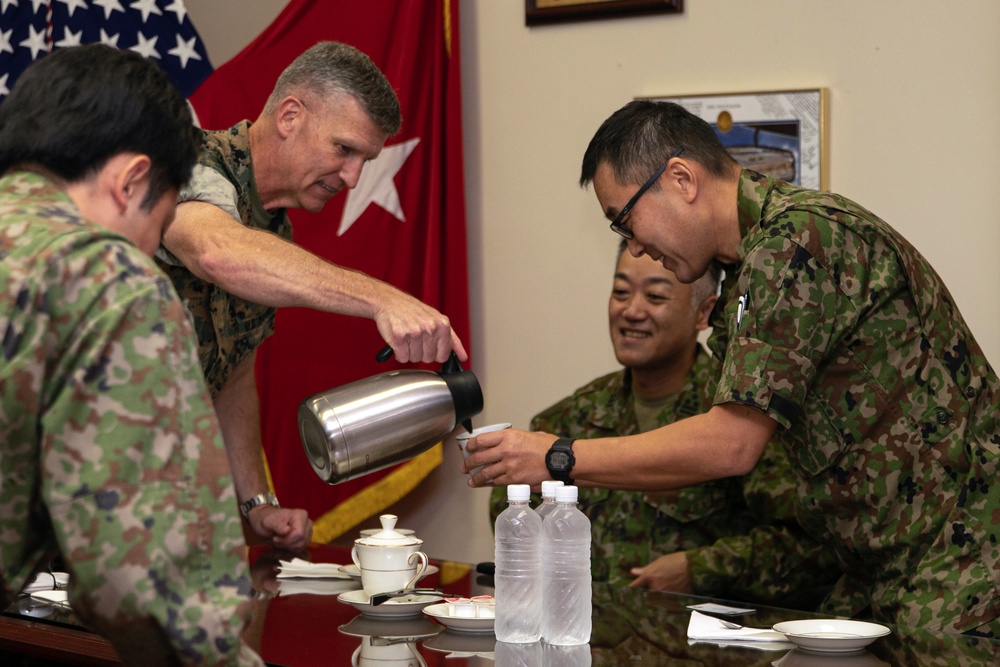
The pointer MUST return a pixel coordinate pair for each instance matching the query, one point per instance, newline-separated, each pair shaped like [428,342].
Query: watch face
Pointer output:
[559,460]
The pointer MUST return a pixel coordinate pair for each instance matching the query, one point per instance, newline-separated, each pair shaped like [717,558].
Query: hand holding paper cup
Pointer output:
[463,440]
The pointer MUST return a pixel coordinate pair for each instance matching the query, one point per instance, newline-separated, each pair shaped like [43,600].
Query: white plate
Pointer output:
[392,608]
[45,581]
[442,614]
[353,572]
[831,635]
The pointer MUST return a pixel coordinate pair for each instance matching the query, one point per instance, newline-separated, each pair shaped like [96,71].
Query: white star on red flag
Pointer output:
[376,185]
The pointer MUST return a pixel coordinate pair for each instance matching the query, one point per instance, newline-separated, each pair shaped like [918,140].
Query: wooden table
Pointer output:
[631,627]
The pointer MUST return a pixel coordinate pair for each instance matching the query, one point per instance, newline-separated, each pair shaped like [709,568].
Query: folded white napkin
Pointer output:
[303,569]
[314,586]
[709,628]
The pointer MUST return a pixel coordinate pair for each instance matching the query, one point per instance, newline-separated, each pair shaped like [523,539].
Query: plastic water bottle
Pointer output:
[518,558]
[548,497]
[566,598]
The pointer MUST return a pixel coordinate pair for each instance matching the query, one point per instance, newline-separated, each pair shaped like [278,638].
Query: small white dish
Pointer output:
[442,613]
[353,572]
[47,581]
[831,635]
[392,608]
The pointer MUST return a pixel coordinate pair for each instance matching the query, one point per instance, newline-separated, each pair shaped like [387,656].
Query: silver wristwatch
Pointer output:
[257,501]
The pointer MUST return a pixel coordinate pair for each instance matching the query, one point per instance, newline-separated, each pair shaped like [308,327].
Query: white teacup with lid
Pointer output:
[388,560]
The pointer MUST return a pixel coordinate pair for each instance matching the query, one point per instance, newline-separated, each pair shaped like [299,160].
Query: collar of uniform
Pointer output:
[751,201]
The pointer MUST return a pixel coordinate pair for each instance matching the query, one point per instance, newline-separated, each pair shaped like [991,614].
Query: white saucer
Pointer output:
[57,598]
[353,572]
[392,608]
[831,635]
[45,581]
[442,614]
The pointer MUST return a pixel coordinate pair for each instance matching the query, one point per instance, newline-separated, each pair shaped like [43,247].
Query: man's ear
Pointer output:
[128,175]
[683,177]
[704,312]
[289,112]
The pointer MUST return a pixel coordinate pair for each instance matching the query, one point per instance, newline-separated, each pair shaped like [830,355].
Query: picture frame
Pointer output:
[780,133]
[538,12]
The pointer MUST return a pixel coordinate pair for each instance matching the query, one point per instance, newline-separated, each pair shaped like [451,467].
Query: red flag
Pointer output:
[406,227]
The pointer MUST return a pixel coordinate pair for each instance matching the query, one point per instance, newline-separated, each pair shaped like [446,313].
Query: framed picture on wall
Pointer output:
[557,11]
[781,133]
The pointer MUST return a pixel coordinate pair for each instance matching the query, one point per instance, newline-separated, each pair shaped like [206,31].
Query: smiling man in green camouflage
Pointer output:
[837,338]
[734,537]
[110,453]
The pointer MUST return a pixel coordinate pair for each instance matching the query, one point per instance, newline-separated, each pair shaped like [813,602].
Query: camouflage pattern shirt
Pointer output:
[839,330]
[739,533]
[229,328]
[110,453]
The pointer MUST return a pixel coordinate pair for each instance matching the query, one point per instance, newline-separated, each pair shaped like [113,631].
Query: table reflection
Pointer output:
[301,623]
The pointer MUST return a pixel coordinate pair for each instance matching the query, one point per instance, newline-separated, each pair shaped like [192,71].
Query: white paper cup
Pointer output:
[463,439]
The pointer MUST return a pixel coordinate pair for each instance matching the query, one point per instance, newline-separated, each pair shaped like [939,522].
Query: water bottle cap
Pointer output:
[549,488]
[518,492]
[566,494]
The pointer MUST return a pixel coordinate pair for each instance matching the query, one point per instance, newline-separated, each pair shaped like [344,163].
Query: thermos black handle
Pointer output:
[453,365]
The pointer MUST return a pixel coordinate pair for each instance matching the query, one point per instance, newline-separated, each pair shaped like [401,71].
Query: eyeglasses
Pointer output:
[617,225]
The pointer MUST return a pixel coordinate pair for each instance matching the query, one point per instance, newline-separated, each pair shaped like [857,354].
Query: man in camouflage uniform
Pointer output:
[110,453]
[838,337]
[230,255]
[733,537]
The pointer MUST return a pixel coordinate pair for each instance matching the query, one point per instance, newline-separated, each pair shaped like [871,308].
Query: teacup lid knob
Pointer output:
[389,536]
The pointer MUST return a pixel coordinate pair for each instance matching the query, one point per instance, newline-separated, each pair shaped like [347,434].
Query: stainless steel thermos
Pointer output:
[376,422]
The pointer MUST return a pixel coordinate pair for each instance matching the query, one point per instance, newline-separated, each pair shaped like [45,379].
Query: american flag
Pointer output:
[158,29]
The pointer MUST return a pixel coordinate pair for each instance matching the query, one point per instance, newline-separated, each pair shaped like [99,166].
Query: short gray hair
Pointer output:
[333,68]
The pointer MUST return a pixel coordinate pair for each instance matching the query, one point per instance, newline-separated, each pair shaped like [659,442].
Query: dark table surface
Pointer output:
[630,627]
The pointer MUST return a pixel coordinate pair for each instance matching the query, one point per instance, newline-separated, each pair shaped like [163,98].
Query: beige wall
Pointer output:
[914,136]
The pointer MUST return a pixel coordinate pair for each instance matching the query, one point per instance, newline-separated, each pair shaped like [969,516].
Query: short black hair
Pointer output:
[74,109]
[635,140]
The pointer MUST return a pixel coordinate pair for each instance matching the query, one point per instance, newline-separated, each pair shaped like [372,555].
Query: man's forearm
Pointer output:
[724,442]
[239,418]
[264,268]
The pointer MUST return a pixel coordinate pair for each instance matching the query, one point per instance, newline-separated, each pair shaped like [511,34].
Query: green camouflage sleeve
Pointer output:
[138,487]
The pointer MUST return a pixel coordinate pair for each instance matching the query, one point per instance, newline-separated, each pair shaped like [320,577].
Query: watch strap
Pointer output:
[257,501]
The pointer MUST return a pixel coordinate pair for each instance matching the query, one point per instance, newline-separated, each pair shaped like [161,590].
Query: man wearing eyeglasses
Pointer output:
[837,338]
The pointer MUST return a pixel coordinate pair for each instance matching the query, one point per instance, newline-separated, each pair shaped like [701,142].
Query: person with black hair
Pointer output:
[111,457]
[837,339]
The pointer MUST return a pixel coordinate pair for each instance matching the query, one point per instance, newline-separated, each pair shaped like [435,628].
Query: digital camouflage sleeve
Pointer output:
[740,534]
[109,448]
